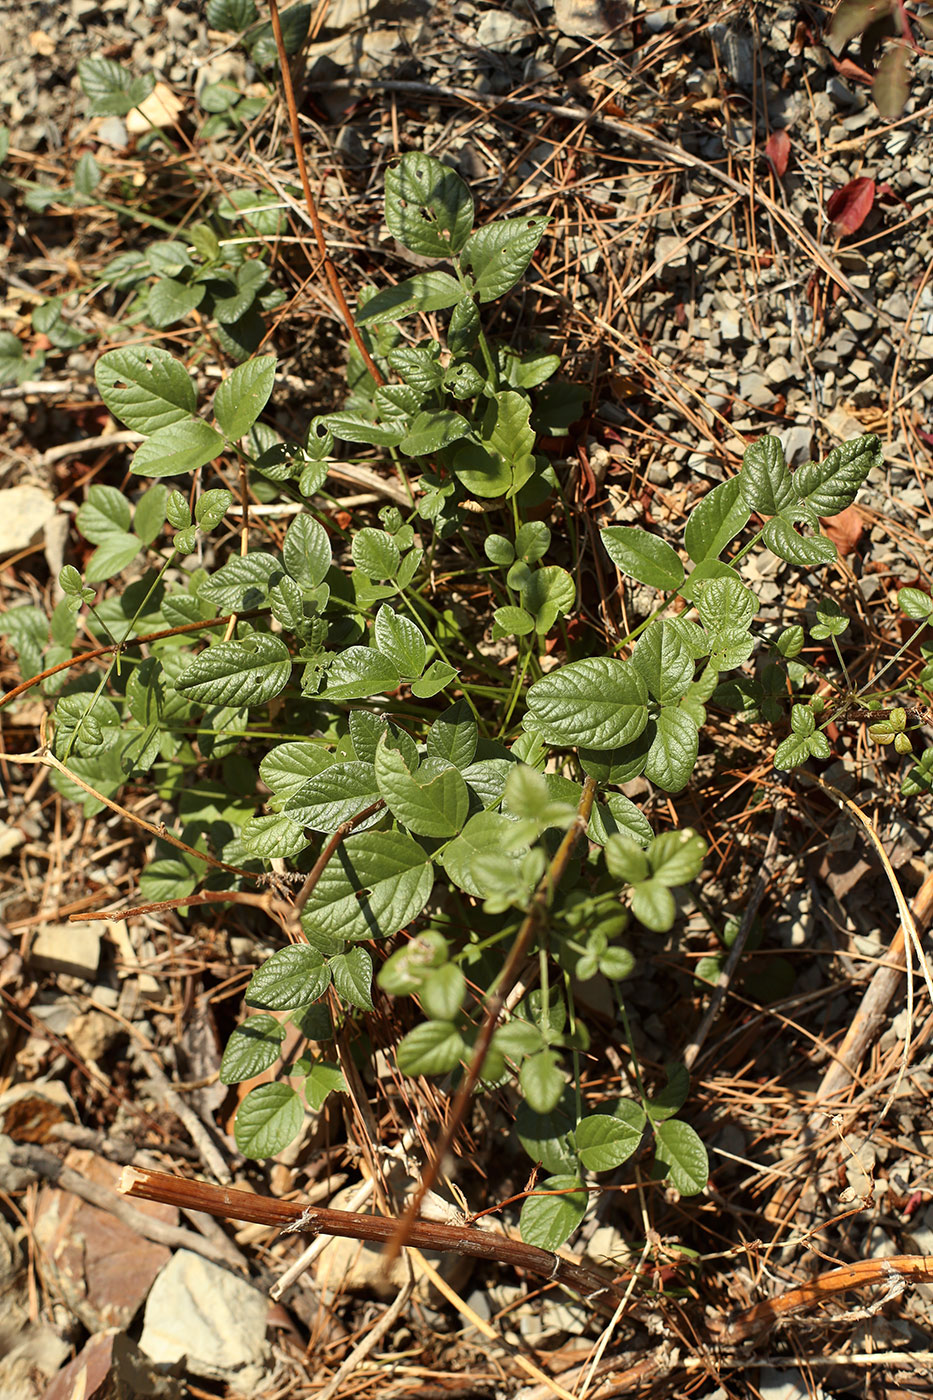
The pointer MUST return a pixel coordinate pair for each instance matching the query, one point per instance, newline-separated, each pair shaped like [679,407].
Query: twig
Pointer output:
[329,270]
[724,980]
[369,1339]
[51,1169]
[199,1133]
[223,1201]
[873,1007]
[533,920]
[894,1272]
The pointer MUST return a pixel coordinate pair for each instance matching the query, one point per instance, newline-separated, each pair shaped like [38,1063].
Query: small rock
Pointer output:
[730,326]
[200,1311]
[24,513]
[797,444]
[672,255]
[778,370]
[753,389]
[498,30]
[70,948]
[590,19]
[861,369]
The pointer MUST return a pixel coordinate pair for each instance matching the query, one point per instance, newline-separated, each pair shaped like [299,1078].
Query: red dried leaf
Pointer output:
[845,529]
[777,149]
[892,84]
[886,194]
[847,68]
[849,207]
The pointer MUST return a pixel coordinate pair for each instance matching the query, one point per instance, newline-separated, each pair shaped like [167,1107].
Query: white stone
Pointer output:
[498,30]
[24,513]
[200,1311]
[70,948]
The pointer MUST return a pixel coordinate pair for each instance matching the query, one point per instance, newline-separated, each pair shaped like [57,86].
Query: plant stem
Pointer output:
[532,922]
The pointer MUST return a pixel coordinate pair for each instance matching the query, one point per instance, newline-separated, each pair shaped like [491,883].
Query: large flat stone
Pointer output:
[208,1315]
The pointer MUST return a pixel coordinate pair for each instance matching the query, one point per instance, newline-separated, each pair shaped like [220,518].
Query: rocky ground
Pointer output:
[740,243]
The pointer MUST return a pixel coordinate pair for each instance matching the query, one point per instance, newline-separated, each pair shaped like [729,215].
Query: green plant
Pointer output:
[449,825]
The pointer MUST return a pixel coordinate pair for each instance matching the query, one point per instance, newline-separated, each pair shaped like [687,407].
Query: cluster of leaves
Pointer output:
[643,715]
[331,651]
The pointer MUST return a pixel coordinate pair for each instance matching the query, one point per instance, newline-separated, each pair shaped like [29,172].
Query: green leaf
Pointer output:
[273,837]
[453,736]
[406,971]
[375,884]
[112,90]
[764,480]
[170,301]
[87,175]
[653,905]
[359,672]
[483,834]
[676,857]
[295,21]
[547,1221]
[145,387]
[673,753]
[105,512]
[325,1079]
[673,1096]
[306,551]
[286,768]
[149,516]
[438,675]
[548,1137]
[401,640]
[294,976]
[832,621]
[791,753]
[428,207]
[243,582]
[418,366]
[434,1047]
[252,1047]
[442,992]
[679,1149]
[333,796]
[433,801]
[599,702]
[243,395]
[179,447]
[353,977]
[548,594]
[830,486]
[725,603]
[664,663]
[643,556]
[605,1142]
[375,553]
[210,509]
[513,622]
[267,1120]
[499,253]
[542,1081]
[426,291]
[232,16]
[242,673]
[618,815]
[112,557]
[625,859]
[351,426]
[431,431]
[914,603]
[804,550]
[716,521]
[502,460]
